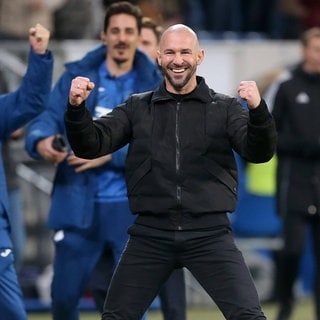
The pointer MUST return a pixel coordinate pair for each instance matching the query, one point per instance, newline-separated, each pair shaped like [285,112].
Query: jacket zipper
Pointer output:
[178,187]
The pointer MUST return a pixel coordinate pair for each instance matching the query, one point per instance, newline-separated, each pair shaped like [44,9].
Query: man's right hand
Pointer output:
[80,89]
[47,152]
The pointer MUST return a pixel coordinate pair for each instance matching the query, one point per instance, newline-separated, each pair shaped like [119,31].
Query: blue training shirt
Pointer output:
[112,91]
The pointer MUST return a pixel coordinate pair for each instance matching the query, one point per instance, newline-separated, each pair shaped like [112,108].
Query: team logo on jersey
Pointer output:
[5,252]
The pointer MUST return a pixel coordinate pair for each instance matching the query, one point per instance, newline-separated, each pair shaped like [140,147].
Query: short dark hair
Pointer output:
[126,8]
[151,24]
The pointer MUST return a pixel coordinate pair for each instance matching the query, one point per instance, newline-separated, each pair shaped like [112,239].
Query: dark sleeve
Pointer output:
[262,134]
[290,142]
[81,132]
[91,139]
[254,133]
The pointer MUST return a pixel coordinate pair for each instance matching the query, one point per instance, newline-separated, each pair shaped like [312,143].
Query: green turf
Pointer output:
[303,311]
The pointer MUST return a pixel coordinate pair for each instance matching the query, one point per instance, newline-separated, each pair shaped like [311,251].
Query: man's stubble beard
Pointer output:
[178,85]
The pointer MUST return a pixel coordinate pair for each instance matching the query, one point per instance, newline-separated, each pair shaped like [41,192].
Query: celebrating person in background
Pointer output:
[17,109]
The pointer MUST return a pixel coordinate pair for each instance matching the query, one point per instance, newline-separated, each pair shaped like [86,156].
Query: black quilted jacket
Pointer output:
[180,157]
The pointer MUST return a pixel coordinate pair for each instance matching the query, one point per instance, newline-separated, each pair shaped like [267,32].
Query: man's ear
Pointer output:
[103,38]
[158,58]
[200,56]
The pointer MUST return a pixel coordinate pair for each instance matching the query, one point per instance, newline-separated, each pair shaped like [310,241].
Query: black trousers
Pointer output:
[151,255]
[295,230]
[172,294]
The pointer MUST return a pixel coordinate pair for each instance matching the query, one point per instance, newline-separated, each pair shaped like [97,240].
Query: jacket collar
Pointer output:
[201,93]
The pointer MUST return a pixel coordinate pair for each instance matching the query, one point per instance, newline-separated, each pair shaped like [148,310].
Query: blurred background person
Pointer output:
[297,113]
[150,37]
[16,217]
[18,233]
[17,109]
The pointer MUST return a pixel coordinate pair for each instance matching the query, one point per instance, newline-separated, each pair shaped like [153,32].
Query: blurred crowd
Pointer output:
[213,19]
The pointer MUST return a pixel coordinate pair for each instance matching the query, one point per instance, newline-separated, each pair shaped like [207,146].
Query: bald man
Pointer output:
[181,177]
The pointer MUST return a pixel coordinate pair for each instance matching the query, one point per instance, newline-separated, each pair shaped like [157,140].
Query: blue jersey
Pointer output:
[112,91]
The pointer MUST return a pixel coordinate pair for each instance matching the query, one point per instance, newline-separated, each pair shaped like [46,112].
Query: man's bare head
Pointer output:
[179,55]
[179,28]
